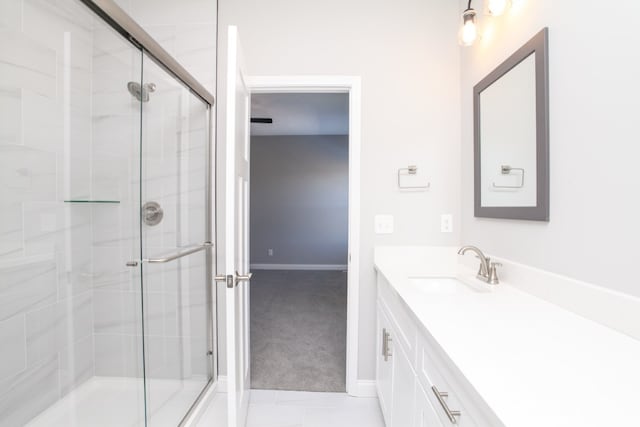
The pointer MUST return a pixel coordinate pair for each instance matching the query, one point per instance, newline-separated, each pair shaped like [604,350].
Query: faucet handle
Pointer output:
[493,273]
[483,270]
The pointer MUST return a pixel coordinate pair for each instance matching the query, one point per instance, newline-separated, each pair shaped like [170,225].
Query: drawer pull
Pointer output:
[450,414]
[386,337]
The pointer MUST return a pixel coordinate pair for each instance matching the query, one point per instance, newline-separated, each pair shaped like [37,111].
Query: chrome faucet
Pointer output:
[487,272]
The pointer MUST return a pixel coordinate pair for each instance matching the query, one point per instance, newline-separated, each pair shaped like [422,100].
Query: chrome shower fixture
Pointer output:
[141,93]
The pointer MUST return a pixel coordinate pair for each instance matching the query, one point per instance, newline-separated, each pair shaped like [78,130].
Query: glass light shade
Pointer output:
[516,5]
[497,7]
[469,31]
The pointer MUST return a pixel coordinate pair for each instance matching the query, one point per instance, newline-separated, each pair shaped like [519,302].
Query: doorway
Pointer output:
[234,271]
[299,241]
[334,281]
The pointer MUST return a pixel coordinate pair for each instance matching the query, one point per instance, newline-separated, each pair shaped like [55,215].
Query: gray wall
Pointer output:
[299,199]
[593,229]
[407,55]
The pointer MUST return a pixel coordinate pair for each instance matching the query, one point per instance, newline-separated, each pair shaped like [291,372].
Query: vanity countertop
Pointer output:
[533,362]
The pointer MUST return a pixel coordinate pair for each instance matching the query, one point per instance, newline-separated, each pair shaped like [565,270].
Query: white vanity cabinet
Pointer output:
[395,376]
[410,370]
[425,414]
[466,354]
[384,367]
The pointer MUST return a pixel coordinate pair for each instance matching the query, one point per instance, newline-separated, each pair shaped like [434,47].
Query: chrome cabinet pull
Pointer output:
[450,414]
[386,338]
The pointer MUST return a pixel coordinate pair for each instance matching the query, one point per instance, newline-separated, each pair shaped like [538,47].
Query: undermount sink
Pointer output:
[444,285]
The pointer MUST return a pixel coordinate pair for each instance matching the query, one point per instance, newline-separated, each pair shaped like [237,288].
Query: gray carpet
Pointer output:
[298,330]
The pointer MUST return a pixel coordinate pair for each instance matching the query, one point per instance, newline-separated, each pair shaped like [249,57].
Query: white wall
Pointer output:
[299,199]
[407,55]
[594,108]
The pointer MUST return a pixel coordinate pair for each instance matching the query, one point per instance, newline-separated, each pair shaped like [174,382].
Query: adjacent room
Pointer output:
[299,229]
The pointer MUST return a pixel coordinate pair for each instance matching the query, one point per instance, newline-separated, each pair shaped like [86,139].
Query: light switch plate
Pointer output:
[446,223]
[384,224]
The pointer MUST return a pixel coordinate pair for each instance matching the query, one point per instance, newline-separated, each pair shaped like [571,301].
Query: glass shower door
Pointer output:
[174,238]
[104,176]
[70,307]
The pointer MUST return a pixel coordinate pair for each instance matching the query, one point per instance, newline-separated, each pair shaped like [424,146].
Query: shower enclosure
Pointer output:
[106,306]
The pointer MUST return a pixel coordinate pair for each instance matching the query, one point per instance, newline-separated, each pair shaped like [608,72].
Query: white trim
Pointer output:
[328,267]
[222,384]
[352,86]
[366,388]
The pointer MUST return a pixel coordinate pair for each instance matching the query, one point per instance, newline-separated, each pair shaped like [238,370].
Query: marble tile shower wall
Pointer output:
[115,240]
[173,172]
[69,308]
[173,153]
[46,312]
[187,30]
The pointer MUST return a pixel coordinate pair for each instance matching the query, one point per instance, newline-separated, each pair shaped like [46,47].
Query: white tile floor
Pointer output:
[269,408]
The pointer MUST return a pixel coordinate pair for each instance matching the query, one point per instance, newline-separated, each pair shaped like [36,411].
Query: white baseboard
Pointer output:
[328,267]
[365,388]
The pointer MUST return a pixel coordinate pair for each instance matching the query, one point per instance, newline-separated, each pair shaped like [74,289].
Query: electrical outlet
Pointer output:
[384,224]
[446,223]
[270,252]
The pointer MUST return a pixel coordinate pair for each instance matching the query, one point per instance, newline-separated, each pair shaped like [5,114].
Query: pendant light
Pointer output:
[497,7]
[469,31]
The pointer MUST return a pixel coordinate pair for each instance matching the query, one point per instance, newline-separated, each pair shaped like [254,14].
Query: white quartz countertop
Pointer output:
[533,362]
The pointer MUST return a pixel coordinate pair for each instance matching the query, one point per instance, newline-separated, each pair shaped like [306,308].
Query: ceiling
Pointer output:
[301,113]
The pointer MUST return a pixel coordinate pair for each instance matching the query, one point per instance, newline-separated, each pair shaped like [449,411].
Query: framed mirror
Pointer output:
[511,136]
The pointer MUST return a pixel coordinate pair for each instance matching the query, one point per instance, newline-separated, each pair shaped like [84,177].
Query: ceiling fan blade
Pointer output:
[261,120]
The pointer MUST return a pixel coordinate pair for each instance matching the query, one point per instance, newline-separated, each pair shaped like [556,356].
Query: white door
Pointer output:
[237,234]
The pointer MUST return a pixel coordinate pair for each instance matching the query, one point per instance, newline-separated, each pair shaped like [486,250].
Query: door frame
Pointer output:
[351,86]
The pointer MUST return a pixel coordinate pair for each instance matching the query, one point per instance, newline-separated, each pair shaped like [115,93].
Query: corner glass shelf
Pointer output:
[93,201]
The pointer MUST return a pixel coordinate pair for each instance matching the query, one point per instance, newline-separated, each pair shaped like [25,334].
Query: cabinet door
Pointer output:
[384,368]
[403,389]
[425,414]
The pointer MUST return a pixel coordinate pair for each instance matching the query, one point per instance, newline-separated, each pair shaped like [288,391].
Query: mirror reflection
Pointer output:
[508,129]
[511,136]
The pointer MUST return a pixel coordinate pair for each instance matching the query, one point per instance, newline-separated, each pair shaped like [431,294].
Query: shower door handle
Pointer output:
[188,251]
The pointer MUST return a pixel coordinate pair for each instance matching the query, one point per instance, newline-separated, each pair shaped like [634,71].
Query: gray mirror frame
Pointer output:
[539,45]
